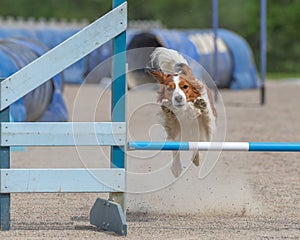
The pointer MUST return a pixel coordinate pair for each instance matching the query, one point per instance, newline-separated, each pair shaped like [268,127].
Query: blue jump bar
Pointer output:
[217,146]
[158,145]
[274,146]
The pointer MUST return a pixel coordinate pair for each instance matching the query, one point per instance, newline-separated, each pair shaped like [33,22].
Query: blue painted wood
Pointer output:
[63,134]
[62,180]
[63,55]
[118,89]
[4,164]
[118,103]
[31,76]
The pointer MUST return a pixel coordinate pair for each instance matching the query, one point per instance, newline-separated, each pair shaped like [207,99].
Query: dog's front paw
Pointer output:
[166,102]
[166,105]
[201,104]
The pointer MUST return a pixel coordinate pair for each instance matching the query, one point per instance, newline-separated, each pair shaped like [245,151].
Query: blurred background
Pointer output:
[283,45]
[29,28]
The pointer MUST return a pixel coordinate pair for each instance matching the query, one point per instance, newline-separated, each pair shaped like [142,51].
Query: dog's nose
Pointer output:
[178,98]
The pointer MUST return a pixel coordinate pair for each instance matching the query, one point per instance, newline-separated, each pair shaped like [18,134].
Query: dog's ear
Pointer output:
[184,69]
[159,75]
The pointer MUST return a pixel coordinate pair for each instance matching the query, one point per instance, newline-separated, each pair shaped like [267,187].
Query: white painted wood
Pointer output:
[63,133]
[63,55]
[61,180]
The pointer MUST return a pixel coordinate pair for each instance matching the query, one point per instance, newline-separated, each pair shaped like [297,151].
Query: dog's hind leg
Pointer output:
[196,158]
[176,167]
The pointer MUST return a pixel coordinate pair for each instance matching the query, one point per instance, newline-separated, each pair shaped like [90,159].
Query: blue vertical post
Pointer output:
[215,23]
[118,100]
[263,45]
[4,163]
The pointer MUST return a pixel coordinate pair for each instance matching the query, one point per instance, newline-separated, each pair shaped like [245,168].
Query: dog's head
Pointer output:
[179,88]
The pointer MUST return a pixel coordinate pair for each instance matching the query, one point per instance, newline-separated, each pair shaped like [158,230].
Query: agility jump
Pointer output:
[30,77]
[217,146]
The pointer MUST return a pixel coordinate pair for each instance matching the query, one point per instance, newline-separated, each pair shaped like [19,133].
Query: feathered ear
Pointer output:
[187,73]
[159,75]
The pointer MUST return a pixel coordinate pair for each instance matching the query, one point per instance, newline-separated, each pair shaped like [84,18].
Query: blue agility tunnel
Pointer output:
[236,68]
[51,37]
[235,65]
[244,74]
[172,39]
[45,103]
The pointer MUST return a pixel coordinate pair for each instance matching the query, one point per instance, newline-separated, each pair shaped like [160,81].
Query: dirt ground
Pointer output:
[245,196]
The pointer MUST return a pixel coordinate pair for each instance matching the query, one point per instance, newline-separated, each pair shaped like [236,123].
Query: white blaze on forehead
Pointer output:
[178,91]
[176,80]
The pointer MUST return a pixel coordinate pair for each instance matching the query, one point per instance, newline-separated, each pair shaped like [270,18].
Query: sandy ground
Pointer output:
[244,196]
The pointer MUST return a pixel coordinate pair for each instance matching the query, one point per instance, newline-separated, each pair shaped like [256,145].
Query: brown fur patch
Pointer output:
[188,84]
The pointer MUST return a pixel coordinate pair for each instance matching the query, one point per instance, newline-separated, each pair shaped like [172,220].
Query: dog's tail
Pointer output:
[166,59]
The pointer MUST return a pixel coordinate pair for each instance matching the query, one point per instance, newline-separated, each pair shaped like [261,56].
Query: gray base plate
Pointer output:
[108,216]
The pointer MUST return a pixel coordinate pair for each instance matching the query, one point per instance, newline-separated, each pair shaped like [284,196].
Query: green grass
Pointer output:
[281,75]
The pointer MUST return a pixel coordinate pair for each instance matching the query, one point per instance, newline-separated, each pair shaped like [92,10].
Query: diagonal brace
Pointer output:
[62,56]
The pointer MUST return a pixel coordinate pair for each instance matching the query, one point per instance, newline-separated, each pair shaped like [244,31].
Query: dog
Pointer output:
[187,108]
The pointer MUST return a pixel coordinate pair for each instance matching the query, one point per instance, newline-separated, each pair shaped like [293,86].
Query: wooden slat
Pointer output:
[61,180]
[63,134]
[4,164]
[63,55]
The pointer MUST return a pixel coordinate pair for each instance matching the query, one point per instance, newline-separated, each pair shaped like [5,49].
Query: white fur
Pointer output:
[178,92]
[166,59]
[180,121]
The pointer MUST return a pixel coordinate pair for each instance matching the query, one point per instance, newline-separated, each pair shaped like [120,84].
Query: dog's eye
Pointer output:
[185,86]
